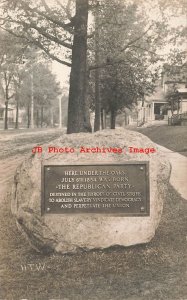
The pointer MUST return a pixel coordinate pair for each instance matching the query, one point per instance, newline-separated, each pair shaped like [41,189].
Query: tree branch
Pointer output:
[52,56]
[49,18]
[45,5]
[42,32]
[2,59]
[47,35]
[146,50]
[37,43]
[136,39]
[67,10]
[5,78]
[14,34]
[51,38]
[9,79]
[104,65]
[11,96]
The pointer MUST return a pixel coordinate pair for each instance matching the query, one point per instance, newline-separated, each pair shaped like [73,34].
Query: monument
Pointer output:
[99,194]
[96,188]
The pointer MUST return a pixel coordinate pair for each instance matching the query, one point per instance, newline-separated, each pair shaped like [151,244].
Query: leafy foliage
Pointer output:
[45,87]
[131,36]
[127,51]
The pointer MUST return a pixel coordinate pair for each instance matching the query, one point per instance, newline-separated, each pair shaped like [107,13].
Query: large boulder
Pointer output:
[67,233]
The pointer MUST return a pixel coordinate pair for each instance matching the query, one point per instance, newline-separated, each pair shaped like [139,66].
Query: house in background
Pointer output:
[11,112]
[152,108]
[183,99]
[155,107]
[10,115]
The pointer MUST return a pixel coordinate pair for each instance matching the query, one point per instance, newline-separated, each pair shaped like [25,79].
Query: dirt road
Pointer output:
[15,146]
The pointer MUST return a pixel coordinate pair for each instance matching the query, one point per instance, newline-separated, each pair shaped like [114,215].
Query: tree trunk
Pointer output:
[78,109]
[113,119]
[42,113]
[172,107]
[102,120]
[37,118]
[6,115]
[97,120]
[60,112]
[114,105]
[32,100]
[17,112]
[28,116]
[6,109]
[52,118]
[178,106]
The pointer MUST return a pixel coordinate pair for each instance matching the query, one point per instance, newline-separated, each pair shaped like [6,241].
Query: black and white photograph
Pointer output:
[93,149]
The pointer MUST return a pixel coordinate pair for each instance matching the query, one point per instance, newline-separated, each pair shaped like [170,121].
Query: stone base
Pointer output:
[68,233]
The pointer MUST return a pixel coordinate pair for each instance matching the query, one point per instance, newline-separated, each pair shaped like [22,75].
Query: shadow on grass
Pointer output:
[171,137]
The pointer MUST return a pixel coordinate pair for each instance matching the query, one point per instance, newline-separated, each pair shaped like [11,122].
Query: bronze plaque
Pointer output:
[117,189]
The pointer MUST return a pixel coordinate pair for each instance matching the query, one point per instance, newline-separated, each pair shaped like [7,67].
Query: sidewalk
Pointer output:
[178,177]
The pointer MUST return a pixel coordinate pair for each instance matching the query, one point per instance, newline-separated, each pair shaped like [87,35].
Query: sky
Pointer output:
[62,72]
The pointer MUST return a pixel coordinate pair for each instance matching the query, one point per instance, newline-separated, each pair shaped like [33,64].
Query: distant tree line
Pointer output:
[27,82]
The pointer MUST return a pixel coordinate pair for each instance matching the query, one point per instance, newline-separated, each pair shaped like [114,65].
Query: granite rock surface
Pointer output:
[68,233]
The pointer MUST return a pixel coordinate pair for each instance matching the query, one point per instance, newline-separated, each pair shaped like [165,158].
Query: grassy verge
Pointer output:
[154,271]
[171,137]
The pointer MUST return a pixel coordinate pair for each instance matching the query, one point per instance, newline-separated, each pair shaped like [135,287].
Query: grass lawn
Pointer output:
[172,137]
[154,271]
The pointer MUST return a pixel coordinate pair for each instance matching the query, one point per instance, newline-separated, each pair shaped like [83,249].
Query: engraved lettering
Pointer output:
[103,189]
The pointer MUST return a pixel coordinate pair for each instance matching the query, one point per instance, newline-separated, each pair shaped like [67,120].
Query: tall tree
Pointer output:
[10,58]
[45,90]
[126,51]
[130,37]
[78,109]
